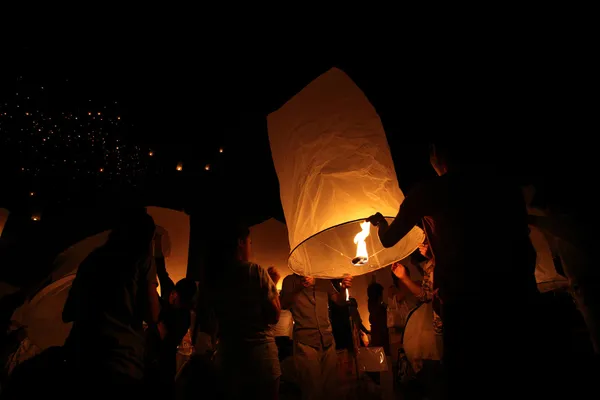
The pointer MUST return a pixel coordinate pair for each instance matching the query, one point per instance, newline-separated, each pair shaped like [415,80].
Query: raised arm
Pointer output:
[151,284]
[272,305]
[340,297]
[413,208]
[166,283]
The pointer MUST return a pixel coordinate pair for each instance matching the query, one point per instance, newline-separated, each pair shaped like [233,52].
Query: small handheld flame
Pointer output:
[347,295]
[362,255]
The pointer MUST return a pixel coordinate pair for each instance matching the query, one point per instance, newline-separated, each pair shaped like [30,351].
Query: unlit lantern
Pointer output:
[335,169]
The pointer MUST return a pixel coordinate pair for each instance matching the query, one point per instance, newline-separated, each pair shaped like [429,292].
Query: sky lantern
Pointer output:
[179,167]
[4,213]
[335,169]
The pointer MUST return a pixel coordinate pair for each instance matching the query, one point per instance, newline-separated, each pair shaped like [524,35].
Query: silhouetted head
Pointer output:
[230,242]
[184,293]
[134,230]
[375,292]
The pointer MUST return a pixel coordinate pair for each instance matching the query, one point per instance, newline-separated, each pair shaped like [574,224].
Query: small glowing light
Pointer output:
[98,113]
[31,193]
[179,167]
[101,169]
[347,295]
[207,167]
[89,113]
[221,150]
[118,117]
[26,113]
[151,153]
[35,217]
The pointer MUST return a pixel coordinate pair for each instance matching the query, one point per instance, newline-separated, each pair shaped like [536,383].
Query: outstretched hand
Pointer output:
[375,219]
[274,274]
[399,270]
[347,282]
[308,281]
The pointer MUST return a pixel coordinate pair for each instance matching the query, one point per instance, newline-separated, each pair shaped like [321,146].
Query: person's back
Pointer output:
[241,316]
[108,302]
[108,324]
[478,232]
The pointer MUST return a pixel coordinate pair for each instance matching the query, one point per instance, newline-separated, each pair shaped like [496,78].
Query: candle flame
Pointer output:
[362,255]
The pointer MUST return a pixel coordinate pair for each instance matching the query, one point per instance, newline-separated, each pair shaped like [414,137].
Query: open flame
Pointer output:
[362,256]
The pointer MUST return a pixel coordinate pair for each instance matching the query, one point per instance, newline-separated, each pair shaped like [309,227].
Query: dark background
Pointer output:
[525,104]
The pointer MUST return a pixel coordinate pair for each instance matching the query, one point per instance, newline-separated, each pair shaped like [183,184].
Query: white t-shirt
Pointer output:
[285,326]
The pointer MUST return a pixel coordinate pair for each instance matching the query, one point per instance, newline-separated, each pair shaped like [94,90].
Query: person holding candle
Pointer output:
[315,355]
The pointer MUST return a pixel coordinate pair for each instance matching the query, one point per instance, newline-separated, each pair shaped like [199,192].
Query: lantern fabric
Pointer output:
[270,247]
[3,218]
[335,169]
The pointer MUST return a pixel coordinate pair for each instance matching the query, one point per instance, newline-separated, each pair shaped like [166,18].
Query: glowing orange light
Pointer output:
[151,153]
[35,217]
[89,113]
[31,193]
[362,255]
[179,167]
[101,169]
[98,113]
[118,117]
[221,150]
[207,167]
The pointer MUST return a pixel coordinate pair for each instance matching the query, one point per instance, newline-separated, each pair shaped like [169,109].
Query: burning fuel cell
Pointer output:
[362,255]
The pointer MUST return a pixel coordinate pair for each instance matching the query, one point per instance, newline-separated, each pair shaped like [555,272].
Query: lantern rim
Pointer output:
[328,229]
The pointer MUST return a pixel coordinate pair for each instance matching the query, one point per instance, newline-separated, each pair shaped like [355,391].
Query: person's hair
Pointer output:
[221,249]
[224,243]
[186,289]
[133,231]
[396,280]
[374,291]
[458,153]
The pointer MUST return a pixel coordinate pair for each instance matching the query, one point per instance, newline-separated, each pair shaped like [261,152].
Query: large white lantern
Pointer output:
[335,170]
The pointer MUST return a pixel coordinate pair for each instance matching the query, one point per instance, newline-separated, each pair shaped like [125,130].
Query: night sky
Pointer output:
[90,129]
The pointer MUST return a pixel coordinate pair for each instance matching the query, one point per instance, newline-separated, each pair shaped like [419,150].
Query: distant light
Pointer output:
[31,193]
[89,113]
[98,113]
[118,117]
[179,167]
[207,167]
[221,150]
[35,217]
[101,169]
[151,153]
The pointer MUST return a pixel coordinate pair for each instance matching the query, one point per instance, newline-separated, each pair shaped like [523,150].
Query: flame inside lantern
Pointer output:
[362,255]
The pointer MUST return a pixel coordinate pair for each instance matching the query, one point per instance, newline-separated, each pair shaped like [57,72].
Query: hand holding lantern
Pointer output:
[274,274]
[375,219]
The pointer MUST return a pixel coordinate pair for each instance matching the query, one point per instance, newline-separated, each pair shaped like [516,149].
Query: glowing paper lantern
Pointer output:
[4,213]
[335,169]
[270,247]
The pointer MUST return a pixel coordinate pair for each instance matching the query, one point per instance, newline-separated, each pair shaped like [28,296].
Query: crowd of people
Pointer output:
[125,335]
